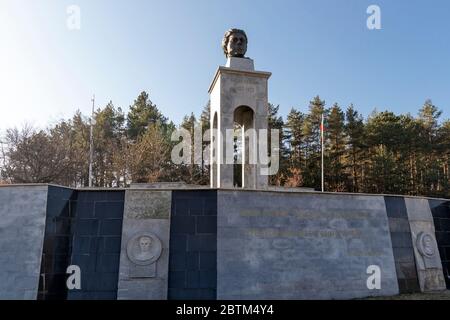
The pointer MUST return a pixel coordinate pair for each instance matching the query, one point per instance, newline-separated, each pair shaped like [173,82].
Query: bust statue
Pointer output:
[234,43]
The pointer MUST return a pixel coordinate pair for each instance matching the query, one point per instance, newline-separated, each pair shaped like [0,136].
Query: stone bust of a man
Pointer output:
[234,43]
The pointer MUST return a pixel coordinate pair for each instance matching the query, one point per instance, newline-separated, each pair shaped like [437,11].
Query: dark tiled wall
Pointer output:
[57,244]
[441,216]
[96,243]
[402,244]
[193,245]
[83,228]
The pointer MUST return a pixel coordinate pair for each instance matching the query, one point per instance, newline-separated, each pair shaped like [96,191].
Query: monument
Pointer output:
[239,239]
[239,102]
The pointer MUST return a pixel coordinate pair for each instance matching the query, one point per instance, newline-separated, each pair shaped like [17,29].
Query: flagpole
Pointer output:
[322,149]
[91,142]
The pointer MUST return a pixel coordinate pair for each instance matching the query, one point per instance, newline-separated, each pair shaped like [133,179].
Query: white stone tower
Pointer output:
[238,101]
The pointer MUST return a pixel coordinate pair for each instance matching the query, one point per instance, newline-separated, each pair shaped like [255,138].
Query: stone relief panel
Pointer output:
[428,261]
[144,257]
[144,249]
[426,244]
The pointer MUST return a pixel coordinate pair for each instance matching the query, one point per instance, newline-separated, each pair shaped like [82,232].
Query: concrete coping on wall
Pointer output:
[189,187]
[303,191]
[60,186]
[33,185]
[26,185]
[167,185]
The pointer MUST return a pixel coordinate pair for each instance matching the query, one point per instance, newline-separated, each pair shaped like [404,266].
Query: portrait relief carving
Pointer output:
[426,244]
[144,249]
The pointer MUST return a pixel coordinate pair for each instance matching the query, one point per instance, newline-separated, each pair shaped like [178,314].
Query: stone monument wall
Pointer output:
[22,226]
[273,245]
[149,243]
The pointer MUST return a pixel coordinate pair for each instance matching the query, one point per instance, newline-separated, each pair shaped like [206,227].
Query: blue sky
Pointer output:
[172,48]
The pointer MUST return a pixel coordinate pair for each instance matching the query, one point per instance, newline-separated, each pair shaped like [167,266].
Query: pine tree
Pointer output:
[80,146]
[311,132]
[143,113]
[205,116]
[335,132]
[430,170]
[276,122]
[205,122]
[384,133]
[354,130]
[189,123]
[148,156]
[108,131]
[444,151]
[294,137]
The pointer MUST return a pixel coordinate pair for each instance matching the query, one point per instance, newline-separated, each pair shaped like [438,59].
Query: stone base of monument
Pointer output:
[176,242]
[240,64]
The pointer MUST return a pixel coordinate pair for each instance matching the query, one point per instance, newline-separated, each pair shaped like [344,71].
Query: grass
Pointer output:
[441,295]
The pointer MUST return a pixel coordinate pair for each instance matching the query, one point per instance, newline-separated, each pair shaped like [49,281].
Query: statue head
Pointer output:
[234,43]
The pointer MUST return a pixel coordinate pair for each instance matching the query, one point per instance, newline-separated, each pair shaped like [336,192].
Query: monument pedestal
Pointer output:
[240,64]
[239,100]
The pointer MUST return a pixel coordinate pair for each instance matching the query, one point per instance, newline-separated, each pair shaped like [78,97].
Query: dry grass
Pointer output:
[443,295]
